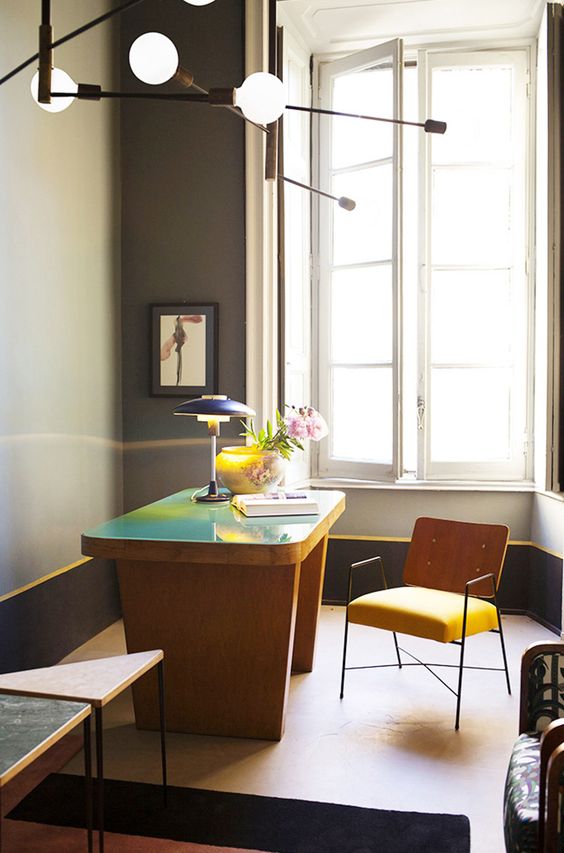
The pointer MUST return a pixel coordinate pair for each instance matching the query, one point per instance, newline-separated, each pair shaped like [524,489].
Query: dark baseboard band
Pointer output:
[47,620]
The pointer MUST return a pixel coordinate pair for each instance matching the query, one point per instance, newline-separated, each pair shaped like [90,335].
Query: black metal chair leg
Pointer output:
[397,648]
[100,777]
[502,640]
[160,673]
[461,665]
[88,782]
[344,655]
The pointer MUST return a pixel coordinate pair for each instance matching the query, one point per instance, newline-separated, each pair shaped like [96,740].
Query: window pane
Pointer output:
[361,315]
[362,414]
[368,93]
[470,414]
[365,233]
[470,316]
[478,104]
[471,216]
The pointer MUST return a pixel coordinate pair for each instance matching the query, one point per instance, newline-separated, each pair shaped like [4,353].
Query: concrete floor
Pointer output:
[390,743]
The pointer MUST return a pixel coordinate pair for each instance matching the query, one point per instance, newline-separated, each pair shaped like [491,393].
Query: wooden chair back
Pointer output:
[444,554]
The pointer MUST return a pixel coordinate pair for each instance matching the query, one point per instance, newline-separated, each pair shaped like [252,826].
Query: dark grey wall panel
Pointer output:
[531,582]
[183,236]
[42,625]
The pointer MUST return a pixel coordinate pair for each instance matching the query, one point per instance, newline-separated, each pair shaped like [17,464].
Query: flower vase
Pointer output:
[248,470]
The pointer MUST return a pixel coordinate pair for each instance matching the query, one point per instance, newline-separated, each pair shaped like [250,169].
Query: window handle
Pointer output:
[420,412]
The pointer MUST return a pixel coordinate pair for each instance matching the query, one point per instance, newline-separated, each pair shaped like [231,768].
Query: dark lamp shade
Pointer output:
[214,406]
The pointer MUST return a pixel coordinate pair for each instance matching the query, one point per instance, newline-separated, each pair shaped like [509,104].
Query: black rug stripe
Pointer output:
[247,821]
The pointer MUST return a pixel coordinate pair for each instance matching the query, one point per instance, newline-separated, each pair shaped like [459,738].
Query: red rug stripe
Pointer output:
[19,836]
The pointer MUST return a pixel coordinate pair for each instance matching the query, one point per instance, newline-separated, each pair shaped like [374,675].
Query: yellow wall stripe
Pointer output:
[408,539]
[336,536]
[45,578]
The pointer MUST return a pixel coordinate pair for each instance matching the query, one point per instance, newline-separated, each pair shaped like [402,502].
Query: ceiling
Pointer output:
[335,26]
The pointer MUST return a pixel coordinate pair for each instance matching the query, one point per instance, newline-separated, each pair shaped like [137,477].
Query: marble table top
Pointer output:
[29,726]
[94,681]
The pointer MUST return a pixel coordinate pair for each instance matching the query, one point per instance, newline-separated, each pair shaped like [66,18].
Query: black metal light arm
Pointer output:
[429,126]
[68,36]
[343,201]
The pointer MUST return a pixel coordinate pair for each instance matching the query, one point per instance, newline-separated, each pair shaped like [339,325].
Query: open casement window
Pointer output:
[359,265]
[295,163]
[425,297]
[473,305]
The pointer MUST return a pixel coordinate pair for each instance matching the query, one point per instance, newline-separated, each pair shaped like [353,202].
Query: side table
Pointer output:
[96,682]
[29,726]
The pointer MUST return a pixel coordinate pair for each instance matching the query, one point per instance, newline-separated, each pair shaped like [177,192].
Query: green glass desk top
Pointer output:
[178,519]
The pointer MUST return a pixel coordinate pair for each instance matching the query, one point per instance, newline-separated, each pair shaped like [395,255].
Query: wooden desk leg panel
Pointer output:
[227,635]
[312,573]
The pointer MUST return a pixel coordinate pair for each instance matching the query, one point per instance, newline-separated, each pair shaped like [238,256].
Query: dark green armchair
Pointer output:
[533,797]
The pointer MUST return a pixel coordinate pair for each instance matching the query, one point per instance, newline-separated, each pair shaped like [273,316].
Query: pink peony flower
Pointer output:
[305,422]
[296,425]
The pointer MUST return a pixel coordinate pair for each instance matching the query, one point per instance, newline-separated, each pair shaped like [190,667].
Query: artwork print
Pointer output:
[183,349]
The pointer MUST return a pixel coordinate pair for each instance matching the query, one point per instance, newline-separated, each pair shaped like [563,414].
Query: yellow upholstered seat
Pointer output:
[451,574]
[430,613]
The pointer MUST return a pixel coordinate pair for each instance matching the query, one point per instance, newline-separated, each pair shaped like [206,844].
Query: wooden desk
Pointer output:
[232,601]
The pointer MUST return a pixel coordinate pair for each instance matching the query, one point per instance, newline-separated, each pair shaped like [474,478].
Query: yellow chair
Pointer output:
[451,572]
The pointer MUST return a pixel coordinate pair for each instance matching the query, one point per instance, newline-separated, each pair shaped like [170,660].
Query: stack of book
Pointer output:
[276,503]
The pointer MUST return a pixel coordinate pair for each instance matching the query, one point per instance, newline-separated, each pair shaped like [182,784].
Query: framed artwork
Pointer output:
[183,350]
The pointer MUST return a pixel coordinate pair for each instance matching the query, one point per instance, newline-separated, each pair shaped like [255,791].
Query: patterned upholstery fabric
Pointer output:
[521,798]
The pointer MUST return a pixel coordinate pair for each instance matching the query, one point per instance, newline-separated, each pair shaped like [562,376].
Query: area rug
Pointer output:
[245,821]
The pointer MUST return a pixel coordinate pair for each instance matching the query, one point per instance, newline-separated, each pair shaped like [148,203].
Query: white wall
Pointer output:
[60,423]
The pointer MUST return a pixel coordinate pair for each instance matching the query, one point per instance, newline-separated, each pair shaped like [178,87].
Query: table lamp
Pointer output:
[213,409]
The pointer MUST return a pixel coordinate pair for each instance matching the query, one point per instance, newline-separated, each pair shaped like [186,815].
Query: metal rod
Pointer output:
[96,21]
[100,777]
[426,664]
[342,201]
[397,648]
[45,11]
[428,668]
[307,187]
[162,717]
[502,646]
[68,37]
[88,781]
[231,109]
[149,96]
[462,644]
[430,125]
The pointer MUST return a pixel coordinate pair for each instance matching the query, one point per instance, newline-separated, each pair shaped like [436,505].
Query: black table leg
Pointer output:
[100,779]
[88,782]
[160,673]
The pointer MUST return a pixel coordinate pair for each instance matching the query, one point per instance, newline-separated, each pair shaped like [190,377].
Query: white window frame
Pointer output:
[455,472]
[519,466]
[329,466]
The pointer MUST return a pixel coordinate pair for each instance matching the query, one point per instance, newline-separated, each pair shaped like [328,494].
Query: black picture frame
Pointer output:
[189,369]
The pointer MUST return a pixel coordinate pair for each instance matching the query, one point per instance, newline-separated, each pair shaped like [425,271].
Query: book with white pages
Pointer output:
[276,503]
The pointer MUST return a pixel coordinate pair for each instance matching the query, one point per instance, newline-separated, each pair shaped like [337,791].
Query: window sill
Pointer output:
[426,485]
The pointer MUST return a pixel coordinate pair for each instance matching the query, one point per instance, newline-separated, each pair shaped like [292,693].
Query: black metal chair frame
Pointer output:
[460,666]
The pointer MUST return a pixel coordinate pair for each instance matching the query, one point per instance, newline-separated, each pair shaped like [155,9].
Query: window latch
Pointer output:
[420,412]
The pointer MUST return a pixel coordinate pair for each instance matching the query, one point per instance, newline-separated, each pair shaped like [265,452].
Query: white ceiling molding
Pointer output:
[333,25]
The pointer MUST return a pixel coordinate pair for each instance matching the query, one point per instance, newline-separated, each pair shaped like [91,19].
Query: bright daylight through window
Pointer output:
[424,346]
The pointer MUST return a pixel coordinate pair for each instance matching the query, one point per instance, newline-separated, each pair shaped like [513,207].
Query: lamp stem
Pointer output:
[213,484]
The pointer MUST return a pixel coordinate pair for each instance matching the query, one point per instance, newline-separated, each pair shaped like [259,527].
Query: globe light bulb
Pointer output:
[153,58]
[60,82]
[198,2]
[261,97]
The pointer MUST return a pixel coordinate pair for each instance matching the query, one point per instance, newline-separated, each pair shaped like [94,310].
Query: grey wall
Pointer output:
[60,420]
[183,236]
